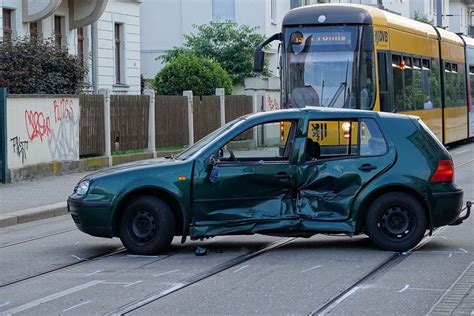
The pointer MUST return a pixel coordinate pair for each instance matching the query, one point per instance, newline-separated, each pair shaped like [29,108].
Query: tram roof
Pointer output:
[469,41]
[361,14]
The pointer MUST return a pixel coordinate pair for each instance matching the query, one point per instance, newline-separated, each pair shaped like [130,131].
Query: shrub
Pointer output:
[186,71]
[36,66]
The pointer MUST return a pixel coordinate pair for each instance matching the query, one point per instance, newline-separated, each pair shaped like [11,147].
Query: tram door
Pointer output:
[384,93]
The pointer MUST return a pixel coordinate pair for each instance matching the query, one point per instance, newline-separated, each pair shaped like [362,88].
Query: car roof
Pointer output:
[312,109]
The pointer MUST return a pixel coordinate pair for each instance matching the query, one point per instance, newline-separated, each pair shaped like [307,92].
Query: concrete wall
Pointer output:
[164,22]
[42,129]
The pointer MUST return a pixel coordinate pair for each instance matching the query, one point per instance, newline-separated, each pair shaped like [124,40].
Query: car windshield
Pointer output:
[327,66]
[205,140]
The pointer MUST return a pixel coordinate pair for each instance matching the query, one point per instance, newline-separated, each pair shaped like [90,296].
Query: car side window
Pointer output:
[372,142]
[331,138]
[264,142]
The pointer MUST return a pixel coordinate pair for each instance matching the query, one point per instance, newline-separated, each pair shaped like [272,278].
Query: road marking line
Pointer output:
[130,284]
[421,289]
[78,258]
[4,304]
[461,152]
[450,255]
[463,250]
[472,313]
[444,237]
[404,289]
[164,273]
[142,256]
[337,302]
[72,307]
[52,297]
[315,267]
[116,283]
[89,274]
[246,266]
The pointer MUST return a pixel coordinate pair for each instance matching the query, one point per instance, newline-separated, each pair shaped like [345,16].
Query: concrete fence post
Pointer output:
[107,129]
[189,94]
[253,94]
[151,122]
[220,92]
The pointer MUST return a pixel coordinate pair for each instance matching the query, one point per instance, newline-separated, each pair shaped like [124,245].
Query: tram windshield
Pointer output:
[330,66]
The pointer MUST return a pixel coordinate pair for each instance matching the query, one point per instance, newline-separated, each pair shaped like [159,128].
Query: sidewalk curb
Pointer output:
[33,214]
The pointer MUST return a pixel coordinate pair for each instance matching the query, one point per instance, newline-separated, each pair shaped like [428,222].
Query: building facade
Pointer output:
[164,22]
[104,33]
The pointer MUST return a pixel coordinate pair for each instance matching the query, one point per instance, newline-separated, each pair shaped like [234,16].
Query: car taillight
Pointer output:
[444,172]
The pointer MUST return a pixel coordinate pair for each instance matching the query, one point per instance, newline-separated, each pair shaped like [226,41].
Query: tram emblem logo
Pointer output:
[381,37]
[319,130]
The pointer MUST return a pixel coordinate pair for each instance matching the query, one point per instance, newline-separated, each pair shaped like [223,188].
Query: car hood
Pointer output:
[133,166]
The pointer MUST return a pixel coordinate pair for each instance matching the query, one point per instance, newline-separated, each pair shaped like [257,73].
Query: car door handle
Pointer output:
[283,176]
[367,167]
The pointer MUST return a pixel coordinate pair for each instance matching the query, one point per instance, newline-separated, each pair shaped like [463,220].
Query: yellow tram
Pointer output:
[361,57]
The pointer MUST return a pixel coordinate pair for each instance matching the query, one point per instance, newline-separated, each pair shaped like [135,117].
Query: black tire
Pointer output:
[396,222]
[147,225]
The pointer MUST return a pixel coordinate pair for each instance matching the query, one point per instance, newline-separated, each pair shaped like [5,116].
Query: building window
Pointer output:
[273,11]
[34,30]
[119,53]
[58,31]
[80,45]
[223,10]
[7,24]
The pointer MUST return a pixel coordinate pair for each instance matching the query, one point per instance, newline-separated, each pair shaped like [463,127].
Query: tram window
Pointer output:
[435,83]
[397,71]
[417,63]
[454,67]
[408,86]
[447,67]
[396,60]
[418,86]
[426,64]
[455,91]
[407,61]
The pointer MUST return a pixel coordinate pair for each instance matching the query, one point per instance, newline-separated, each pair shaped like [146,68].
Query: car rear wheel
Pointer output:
[147,225]
[396,222]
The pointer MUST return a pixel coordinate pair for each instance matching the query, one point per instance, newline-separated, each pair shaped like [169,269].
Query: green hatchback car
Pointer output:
[284,173]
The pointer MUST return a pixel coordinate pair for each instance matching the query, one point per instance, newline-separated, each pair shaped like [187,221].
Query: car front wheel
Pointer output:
[396,222]
[147,225]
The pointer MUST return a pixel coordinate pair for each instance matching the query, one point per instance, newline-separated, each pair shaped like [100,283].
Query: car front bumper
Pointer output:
[91,217]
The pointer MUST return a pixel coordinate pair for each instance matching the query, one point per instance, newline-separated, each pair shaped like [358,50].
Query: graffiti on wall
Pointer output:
[20,147]
[273,102]
[45,128]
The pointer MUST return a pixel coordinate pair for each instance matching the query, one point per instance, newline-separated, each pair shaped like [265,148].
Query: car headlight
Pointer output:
[82,188]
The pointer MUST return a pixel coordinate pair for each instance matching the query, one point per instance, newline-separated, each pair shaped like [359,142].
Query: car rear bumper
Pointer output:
[91,217]
[447,207]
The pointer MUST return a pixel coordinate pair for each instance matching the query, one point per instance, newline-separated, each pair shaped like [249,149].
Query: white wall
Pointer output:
[42,130]
[128,13]
[459,21]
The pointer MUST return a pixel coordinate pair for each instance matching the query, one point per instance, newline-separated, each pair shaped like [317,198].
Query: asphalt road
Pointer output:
[49,267]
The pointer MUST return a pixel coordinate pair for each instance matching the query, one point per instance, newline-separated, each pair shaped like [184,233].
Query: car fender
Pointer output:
[379,186]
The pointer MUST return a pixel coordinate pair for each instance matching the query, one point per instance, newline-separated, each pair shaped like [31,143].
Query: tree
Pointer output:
[37,66]
[187,71]
[231,45]
[422,18]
